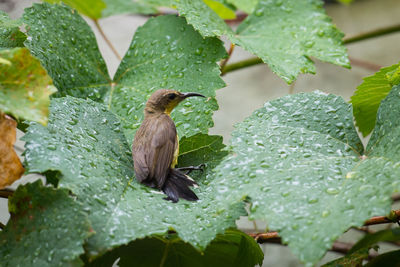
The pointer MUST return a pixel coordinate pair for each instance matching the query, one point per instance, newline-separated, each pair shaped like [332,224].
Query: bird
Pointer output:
[155,147]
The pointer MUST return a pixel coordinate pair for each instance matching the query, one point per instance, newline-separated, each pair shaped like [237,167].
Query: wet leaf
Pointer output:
[11,168]
[89,8]
[245,5]
[38,232]
[116,7]
[203,18]
[302,164]
[233,248]
[67,49]
[168,53]
[10,35]
[25,86]
[222,10]
[354,259]
[198,149]
[86,144]
[370,93]
[285,34]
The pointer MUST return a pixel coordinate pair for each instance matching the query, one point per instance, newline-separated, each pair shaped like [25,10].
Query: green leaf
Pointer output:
[85,143]
[369,95]
[370,240]
[390,259]
[199,149]
[168,53]
[89,8]
[10,35]
[285,34]
[245,5]
[221,9]
[351,260]
[37,233]
[300,161]
[25,86]
[67,49]
[203,18]
[233,248]
[115,7]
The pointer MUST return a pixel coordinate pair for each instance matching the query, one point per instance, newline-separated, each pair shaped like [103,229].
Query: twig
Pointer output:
[372,34]
[382,219]
[6,193]
[2,226]
[223,63]
[96,22]
[241,64]
[364,64]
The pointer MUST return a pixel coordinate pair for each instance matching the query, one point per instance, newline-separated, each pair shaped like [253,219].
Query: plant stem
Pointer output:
[241,64]
[381,219]
[2,226]
[96,22]
[223,63]
[6,193]
[372,34]
[360,37]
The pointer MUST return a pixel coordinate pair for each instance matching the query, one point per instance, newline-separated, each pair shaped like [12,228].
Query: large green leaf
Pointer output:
[115,7]
[10,35]
[91,8]
[233,248]
[245,5]
[285,34]
[67,49]
[38,233]
[203,18]
[370,93]
[85,143]
[24,86]
[168,53]
[389,259]
[301,162]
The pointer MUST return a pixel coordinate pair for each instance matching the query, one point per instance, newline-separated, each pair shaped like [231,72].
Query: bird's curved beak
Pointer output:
[186,95]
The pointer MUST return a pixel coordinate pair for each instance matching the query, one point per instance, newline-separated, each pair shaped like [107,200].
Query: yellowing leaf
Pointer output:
[10,166]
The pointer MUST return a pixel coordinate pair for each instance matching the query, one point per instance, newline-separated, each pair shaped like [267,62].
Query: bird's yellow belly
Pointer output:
[176,153]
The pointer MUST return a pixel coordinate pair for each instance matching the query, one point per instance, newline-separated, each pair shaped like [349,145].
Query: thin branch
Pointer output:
[364,64]
[372,34]
[6,193]
[383,219]
[96,22]
[223,63]
[241,64]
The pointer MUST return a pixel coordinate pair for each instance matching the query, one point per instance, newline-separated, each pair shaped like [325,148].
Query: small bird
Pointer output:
[155,147]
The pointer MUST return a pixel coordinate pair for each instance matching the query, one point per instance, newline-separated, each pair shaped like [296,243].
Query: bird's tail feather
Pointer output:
[177,186]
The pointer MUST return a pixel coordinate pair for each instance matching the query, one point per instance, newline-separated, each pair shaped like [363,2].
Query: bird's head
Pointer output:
[165,100]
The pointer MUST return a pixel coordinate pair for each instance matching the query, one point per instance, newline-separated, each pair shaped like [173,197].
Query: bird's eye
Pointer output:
[172,96]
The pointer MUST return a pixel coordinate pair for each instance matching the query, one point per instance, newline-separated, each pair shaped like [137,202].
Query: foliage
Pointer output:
[298,161]
[369,95]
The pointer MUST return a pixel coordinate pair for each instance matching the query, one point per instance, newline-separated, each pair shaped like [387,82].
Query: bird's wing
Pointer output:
[160,154]
[139,155]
